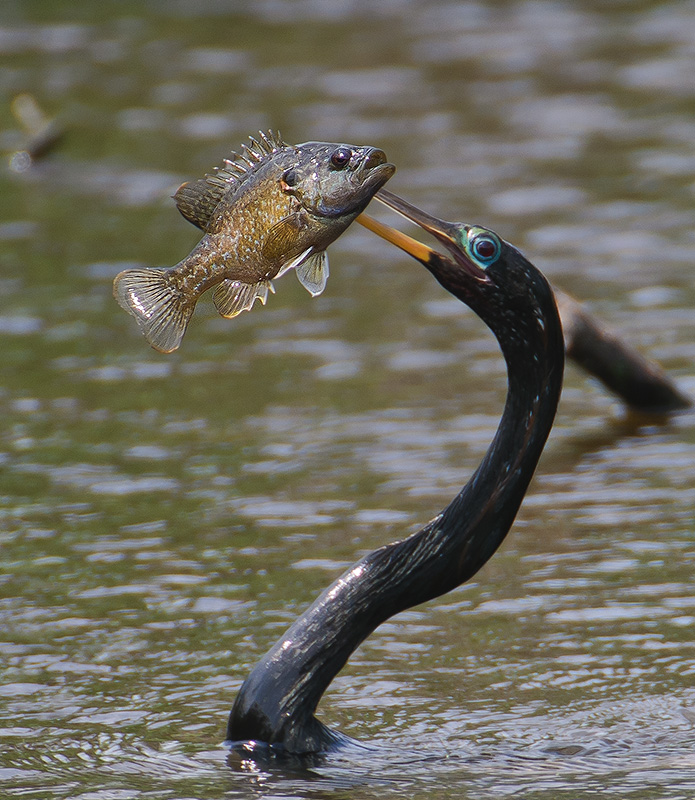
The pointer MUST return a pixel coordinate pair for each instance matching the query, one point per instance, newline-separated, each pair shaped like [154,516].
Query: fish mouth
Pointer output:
[374,170]
[447,233]
[372,173]
[375,158]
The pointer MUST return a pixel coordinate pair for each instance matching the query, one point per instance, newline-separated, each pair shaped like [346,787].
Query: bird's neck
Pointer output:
[479,517]
[276,703]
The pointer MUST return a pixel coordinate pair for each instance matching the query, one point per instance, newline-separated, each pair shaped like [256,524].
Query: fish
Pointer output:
[271,208]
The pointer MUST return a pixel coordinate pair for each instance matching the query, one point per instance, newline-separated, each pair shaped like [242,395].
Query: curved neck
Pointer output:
[276,703]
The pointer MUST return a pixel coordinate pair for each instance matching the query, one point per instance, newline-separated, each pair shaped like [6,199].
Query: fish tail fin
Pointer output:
[156,304]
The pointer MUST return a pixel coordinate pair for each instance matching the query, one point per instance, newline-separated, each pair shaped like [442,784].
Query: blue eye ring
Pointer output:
[483,246]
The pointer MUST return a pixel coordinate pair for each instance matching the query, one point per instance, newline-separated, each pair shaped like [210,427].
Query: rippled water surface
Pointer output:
[163,518]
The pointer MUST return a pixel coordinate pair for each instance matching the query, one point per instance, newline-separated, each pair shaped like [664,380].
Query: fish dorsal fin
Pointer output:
[312,272]
[233,297]
[197,200]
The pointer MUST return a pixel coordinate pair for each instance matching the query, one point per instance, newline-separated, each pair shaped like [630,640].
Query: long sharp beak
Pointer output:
[409,245]
[439,228]
[446,232]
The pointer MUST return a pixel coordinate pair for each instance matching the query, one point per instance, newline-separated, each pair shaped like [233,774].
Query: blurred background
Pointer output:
[164,518]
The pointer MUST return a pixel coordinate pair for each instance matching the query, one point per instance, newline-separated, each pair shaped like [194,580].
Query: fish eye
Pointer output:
[484,246]
[341,157]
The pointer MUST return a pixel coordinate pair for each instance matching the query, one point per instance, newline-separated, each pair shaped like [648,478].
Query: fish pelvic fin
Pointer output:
[156,304]
[312,272]
[233,297]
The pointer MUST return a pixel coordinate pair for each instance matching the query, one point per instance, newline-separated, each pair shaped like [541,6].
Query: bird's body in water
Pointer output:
[275,706]
[273,208]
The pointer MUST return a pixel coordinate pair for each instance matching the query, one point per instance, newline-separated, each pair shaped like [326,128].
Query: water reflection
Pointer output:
[162,520]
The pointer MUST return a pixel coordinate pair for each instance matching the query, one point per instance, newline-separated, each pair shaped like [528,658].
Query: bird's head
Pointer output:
[481,269]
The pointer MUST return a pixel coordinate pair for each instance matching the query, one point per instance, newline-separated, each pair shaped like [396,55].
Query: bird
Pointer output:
[274,710]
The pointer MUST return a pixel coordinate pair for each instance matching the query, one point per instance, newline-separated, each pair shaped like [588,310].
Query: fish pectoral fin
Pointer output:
[233,297]
[281,239]
[312,272]
[158,307]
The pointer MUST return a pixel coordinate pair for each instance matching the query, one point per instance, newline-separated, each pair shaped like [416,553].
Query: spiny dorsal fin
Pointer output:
[197,200]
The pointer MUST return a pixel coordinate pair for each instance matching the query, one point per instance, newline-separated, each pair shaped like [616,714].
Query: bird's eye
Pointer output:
[341,157]
[484,247]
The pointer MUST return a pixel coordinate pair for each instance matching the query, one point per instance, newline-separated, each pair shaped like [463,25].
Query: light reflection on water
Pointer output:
[163,519]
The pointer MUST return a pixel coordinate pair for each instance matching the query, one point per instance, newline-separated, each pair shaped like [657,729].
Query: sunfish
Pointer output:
[271,208]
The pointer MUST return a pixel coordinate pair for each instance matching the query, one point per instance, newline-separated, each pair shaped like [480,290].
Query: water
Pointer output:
[164,518]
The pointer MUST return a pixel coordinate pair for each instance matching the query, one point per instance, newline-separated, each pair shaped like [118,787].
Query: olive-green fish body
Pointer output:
[271,209]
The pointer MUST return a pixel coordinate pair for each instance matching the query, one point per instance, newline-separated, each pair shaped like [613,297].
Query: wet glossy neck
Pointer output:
[276,703]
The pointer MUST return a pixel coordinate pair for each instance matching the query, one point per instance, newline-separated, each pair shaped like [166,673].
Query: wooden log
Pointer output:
[640,383]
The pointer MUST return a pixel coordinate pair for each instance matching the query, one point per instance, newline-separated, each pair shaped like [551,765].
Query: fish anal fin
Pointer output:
[312,272]
[233,297]
[281,239]
[156,304]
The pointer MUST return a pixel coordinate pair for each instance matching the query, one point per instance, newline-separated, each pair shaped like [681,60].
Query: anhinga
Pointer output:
[276,704]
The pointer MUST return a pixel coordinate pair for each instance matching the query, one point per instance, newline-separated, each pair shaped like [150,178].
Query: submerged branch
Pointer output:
[640,383]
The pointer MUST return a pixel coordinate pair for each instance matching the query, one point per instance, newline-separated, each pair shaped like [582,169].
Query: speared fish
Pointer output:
[271,208]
